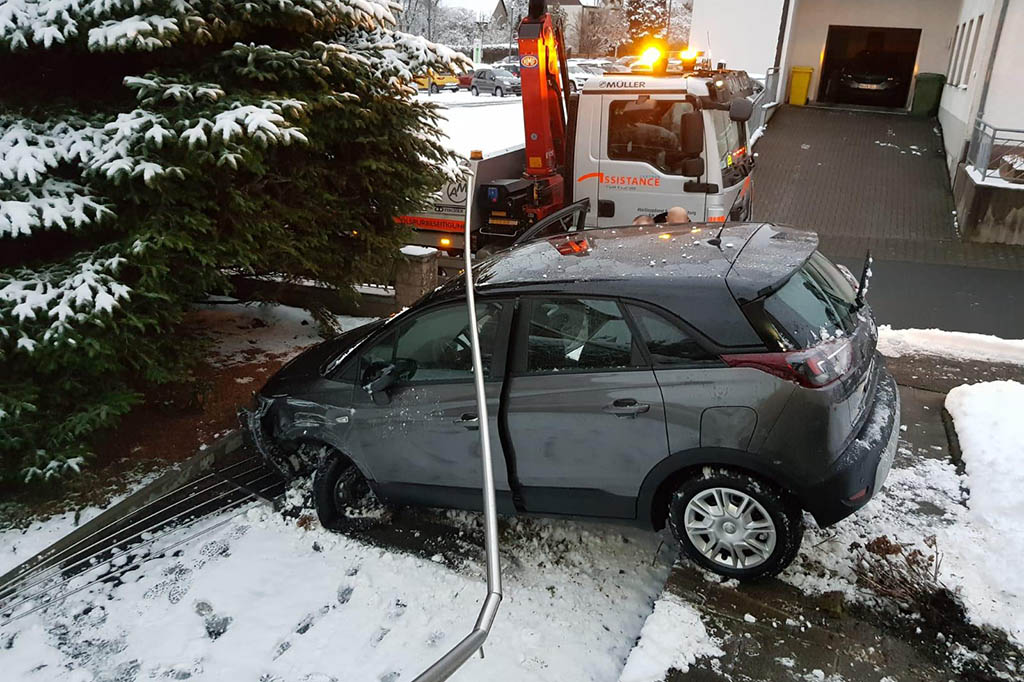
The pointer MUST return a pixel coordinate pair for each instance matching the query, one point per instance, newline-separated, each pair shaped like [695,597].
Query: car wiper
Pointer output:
[865,278]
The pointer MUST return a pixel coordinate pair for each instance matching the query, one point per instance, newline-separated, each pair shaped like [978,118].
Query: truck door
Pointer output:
[640,162]
[729,159]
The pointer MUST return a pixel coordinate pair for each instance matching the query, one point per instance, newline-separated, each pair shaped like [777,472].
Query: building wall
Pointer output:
[935,18]
[1005,105]
[741,33]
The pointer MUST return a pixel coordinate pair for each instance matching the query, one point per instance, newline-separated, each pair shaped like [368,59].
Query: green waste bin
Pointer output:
[927,94]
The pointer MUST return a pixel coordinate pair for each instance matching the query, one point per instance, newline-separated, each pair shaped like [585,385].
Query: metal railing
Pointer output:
[997,152]
[764,102]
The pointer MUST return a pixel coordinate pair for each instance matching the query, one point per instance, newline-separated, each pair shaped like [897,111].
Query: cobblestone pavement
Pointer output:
[878,181]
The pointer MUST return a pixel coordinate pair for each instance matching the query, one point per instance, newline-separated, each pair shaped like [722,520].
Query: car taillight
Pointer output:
[814,367]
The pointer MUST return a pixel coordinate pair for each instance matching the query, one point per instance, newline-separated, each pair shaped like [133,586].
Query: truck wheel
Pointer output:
[498,92]
[735,524]
[476,93]
[433,89]
[341,494]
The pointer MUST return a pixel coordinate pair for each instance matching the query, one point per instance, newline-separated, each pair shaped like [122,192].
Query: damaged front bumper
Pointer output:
[257,439]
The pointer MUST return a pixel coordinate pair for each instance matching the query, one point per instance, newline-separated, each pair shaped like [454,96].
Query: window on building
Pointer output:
[952,54]
[961,77]
[647,130]
[954,75]
[974,48]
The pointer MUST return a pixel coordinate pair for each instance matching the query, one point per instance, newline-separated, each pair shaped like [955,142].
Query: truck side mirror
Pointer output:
[693,167]
[740,109]
[691,143]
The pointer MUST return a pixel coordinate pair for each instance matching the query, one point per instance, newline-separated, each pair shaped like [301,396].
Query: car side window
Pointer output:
[667,343]
[578,335]
[648,130]
[437,344]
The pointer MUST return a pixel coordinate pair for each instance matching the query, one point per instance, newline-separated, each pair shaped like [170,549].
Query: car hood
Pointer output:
[313,362]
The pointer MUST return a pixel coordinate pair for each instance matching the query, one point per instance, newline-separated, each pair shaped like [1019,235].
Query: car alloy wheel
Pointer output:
[735,523]
[341,494]
[475,92]
[498,92]
[730,528]
[433,89]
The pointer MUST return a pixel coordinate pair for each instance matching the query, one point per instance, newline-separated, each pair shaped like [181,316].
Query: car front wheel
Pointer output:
[498,92]
[735,524]
[341,494]
[433,89]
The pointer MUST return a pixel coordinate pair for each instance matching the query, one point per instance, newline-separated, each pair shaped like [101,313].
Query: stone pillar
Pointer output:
[415,275]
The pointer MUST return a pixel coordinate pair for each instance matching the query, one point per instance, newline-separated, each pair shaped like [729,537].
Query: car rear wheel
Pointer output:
[433,89]
[572,86]
[476,93]
[498,92]
[341,494]
[735,524]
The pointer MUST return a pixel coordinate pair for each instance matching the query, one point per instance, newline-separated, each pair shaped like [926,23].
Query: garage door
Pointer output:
[868,65]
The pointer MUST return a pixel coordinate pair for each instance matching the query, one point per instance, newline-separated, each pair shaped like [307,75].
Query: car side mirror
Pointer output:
[693,167]
[380,377]
[740,109]
[691,142]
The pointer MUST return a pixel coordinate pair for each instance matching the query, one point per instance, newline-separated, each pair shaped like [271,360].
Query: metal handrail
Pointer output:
[993,149]
[446,666]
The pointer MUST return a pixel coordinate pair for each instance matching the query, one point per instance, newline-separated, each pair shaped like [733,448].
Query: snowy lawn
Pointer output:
[267,597]
[490,124]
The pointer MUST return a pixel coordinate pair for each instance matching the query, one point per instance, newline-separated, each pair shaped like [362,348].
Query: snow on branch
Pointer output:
[55,203]
[154,24]
[58,296]
[399,57]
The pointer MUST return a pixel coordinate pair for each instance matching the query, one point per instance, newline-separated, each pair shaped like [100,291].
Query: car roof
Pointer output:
[697,271]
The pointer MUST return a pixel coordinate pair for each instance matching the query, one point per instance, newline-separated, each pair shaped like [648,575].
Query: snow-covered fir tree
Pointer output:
[647,20]
[150,147]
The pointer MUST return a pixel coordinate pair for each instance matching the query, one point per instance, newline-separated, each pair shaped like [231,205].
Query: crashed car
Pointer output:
[720,380]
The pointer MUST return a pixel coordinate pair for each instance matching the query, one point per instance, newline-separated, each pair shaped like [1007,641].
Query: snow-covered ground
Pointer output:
[489,124]
[267,597]
[956,345]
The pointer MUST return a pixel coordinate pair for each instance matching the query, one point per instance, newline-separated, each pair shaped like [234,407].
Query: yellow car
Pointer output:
[434,82]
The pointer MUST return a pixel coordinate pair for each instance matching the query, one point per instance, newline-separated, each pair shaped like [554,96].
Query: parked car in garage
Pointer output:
[719,381]
[497,82]
[434,82]
[871,78]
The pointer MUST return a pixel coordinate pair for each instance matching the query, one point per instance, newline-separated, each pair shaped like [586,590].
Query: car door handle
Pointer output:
[626,407]
[468,420]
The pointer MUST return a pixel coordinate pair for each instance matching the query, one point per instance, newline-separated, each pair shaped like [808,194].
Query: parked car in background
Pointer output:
[434,82]
[511,68]
[497,82]
[466,79]
[578,77]
[719,381]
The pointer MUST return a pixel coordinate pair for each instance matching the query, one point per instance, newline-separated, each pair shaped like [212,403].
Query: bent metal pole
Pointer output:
[460,653]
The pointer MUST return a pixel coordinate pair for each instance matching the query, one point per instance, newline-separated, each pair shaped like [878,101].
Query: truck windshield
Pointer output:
[816,304]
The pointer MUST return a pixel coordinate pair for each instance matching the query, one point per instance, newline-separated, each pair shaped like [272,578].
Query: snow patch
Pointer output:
[673,637]
[895,343]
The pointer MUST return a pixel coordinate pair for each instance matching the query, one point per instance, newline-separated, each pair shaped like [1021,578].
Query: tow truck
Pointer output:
[627,145]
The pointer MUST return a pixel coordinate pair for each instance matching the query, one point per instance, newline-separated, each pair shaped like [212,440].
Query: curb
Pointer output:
[220,452]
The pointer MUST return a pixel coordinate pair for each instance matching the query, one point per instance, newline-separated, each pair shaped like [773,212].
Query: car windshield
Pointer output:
[816,304]
[502,73]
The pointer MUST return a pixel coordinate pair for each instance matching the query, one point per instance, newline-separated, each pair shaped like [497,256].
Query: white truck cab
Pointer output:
[638,139]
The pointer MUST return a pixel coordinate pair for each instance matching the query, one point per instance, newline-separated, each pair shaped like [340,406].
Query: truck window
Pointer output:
[647,131]
[730,139]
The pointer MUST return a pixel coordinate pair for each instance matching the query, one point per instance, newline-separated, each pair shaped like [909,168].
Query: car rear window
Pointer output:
[816,304]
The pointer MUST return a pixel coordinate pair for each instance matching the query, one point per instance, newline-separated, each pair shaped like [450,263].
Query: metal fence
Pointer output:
[997,152]
[764,103]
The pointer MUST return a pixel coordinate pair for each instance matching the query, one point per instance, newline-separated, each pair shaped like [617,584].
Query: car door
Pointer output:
[584,413]
[640,163]
[487,81]
[421,442]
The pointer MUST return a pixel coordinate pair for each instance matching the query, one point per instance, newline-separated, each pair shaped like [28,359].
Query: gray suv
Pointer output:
[720,380]
[497,82]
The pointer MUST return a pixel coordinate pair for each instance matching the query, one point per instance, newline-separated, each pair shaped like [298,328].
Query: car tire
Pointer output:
[703,518]
[476,93]
[338,488]
[498,92]
[433,89]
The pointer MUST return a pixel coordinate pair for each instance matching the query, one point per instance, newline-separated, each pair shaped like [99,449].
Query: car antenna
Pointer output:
[717,239]
[445,666]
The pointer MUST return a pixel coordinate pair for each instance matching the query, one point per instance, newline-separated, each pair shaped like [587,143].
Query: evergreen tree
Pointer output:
[647,21]
[148,148]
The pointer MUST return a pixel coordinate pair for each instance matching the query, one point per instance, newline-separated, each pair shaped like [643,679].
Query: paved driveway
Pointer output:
[878,181]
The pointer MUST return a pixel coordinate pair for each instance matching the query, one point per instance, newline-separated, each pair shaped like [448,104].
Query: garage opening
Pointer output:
[868,65]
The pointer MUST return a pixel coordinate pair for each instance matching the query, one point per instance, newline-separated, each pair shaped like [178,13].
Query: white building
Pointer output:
[975,44]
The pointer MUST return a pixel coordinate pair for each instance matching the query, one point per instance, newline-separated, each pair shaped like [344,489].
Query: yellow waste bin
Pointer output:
[799,84]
